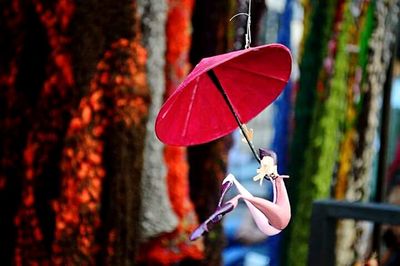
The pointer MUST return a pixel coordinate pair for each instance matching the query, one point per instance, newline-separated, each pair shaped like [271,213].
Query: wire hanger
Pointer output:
[248,30]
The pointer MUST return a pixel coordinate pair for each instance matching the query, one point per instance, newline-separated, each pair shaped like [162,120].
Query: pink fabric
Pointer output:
[252,79]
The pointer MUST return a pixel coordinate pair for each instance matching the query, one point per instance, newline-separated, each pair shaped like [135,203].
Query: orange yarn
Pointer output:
[77,212]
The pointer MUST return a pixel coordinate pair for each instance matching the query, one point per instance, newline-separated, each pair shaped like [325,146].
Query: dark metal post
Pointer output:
[381,181]
[323,220]
[322,238]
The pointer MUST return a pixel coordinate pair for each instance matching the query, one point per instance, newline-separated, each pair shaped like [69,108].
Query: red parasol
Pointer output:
[221,93]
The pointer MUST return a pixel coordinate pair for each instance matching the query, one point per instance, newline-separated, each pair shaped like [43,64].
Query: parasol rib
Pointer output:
[189,113]
[276,78]
[217,84]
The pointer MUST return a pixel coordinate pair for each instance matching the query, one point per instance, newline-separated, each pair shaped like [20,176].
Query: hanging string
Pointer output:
[248,30]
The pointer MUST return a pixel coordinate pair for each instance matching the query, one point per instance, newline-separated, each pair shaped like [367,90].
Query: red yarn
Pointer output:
[43,137]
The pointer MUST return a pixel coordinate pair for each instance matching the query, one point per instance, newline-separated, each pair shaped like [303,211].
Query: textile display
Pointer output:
[312,59]
[345,119]
[43,140]
[324,135]
[80,95]
[350,245]
[117,117]
[315,49]
[357,74]
[79,214]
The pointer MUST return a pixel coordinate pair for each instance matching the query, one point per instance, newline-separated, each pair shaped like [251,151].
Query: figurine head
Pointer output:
[265,152]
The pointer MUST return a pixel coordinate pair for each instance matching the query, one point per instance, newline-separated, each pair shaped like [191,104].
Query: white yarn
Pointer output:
[157,215]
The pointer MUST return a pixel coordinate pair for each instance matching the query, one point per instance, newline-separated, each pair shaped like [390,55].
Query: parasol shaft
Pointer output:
[217,84]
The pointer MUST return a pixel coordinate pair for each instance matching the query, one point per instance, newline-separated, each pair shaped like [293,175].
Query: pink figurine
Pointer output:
[270,216]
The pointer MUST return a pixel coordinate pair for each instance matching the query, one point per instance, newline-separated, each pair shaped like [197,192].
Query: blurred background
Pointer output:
[85,181]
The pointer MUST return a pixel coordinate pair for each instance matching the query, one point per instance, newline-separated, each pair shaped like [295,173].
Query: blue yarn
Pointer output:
[283,109]
[283,103]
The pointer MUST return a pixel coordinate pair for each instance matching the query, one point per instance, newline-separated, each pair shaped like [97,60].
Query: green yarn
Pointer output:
[364,46]
[320,155]
[315,43]
[315,49]
[365,36]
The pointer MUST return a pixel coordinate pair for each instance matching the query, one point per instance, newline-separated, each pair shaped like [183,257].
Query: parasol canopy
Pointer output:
[223,92]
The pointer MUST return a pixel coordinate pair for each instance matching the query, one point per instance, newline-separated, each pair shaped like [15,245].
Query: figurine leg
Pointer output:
[278,213]
[259,217]
[224,189]
[242,190]
[270,217]
[215,218]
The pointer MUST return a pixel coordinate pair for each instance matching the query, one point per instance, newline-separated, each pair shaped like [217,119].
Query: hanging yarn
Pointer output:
[358,40]
[352,246]
[15,110]
[157,215]
[123,153]
[346,231]
[52,55]
[283,103]
[308,11]
[43,140]
[325,134]
[269,26]
[381,43]
[119,82]
[169,248]
[94,39]
[174,247]
[282,116]
[322,18]
[314,52]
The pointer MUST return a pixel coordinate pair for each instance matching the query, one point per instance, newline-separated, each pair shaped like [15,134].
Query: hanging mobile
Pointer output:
[220,94]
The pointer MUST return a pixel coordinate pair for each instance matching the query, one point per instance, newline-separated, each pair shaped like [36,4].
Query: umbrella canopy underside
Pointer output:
[197,112]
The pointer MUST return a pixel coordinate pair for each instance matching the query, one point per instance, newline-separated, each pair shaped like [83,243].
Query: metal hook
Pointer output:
[248,30]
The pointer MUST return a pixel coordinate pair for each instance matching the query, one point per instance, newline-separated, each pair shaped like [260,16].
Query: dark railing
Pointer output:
[325,213]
